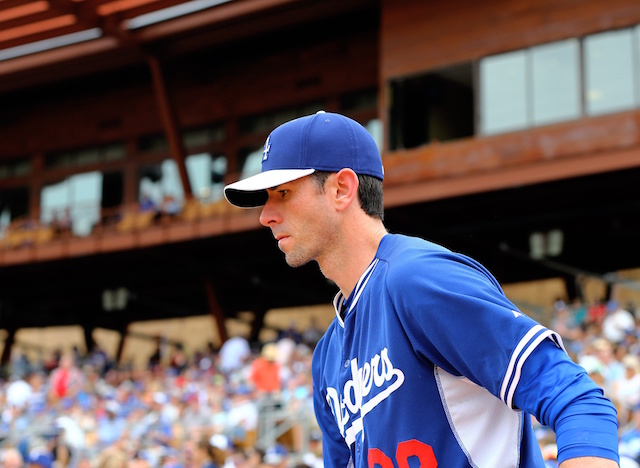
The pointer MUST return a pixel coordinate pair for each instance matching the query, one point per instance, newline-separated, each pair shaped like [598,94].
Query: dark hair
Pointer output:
[369,192]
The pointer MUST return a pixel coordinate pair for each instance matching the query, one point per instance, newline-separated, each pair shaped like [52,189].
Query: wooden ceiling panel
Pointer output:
[37,30]
[27,21]
[26,25]
[23,12]
[122,6]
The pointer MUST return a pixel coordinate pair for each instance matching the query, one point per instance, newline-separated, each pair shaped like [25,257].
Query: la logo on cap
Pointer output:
[267,147]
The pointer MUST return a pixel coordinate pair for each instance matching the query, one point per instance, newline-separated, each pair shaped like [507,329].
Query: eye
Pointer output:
[283,192]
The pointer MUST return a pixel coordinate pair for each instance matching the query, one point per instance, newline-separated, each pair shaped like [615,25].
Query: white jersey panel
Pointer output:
[487,430]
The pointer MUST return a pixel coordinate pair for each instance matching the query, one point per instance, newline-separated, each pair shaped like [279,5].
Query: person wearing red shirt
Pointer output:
[265,371]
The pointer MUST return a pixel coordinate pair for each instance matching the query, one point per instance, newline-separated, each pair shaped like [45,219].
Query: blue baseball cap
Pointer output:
[322,141]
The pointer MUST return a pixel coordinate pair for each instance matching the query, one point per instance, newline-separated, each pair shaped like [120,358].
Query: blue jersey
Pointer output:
[423,366]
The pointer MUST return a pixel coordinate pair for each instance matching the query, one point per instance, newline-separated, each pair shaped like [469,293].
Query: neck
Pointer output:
[358,245]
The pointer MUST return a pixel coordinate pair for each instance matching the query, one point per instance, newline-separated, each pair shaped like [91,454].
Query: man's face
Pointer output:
[300,217]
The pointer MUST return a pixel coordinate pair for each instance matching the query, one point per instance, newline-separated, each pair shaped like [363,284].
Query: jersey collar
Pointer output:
[344,306]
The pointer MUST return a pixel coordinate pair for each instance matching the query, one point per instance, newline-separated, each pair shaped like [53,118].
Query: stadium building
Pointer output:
[509,129]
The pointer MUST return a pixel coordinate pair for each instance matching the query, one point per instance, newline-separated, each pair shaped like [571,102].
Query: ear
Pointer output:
[345,185]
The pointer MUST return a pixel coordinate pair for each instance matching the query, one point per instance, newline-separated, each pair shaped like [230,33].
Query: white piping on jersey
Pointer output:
[520,355]
[338,300]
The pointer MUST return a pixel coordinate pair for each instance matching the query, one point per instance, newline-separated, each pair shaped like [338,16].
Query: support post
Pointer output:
[169,121]
[216,311]
[123,338]
[8,345]
[88,337]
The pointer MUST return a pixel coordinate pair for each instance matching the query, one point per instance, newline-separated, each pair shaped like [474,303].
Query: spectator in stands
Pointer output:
[160,354]
[146,203]
[66,379]
[59,449]
[178,359]
[114,457]
[18,392]
[111,425]
[170,206]
[40,459]
[563,322]
[234,353]
[53,361]
[195,414]
[630,437]
[596,312]
[264,373]
[242,417]
[291,332]
[99,359]
[20,364]
[626,390]
[62,222]
[202,455]
[11,458]
[206,402]
[38,399]
[276,456]
[579,311]
[599,355]
[312,334]
[617,323]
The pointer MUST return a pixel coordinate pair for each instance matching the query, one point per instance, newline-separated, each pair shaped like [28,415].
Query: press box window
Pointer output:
[77,196]
[525,88]
[611,80]
[206,175]
[437,106]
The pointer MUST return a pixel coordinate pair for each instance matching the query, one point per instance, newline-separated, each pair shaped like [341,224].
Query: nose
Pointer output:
[269,214]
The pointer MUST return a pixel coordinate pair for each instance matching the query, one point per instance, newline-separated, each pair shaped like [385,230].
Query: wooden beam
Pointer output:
[54,56]
[209,17]
[8,345]
[508,177]
[169,121]
[257,325]
[123,338]
[36,31]
[23,14]
[35,184]
[89,342]
[216,311]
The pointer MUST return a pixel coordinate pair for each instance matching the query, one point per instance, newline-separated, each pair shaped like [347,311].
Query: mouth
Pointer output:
[281,239]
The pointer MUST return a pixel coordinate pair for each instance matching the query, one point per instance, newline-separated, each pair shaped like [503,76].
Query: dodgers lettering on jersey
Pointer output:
[425,364]
[375,380]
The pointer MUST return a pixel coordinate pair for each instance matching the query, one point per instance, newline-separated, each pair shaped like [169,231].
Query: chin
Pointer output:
[295,262]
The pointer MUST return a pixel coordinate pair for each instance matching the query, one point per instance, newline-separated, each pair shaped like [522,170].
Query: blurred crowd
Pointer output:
[217,408]
[604,338]
[221,408]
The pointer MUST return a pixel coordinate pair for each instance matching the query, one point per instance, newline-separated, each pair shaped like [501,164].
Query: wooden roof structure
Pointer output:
[80,72]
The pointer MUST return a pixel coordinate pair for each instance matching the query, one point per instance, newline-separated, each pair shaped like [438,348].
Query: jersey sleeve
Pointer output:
[456,316]
[562,396]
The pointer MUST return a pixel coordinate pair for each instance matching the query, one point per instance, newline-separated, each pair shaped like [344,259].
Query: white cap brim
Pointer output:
[252,191]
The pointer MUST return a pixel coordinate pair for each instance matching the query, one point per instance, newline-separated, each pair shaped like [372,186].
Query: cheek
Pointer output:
[323,222]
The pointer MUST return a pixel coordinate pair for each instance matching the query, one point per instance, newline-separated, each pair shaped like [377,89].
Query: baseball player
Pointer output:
[426,363]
